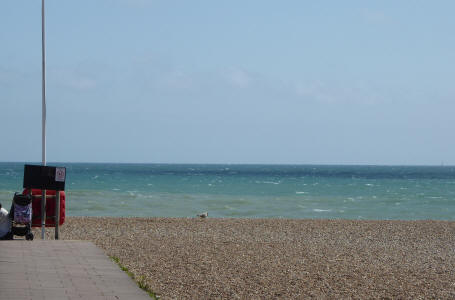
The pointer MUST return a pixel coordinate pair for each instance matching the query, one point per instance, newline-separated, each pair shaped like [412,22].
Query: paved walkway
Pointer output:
[61,270]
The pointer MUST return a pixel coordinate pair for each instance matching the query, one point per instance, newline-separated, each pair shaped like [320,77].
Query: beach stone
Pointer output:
[213,258]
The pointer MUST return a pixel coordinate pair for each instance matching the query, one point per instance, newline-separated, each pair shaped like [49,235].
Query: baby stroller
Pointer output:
[21,216]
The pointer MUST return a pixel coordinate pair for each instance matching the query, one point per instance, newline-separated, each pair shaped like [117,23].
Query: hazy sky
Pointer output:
[351,82]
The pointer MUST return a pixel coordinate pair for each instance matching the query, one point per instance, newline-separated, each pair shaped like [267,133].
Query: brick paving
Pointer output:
[61,270]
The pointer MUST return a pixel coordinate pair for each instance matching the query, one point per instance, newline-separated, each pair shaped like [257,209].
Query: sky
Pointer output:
[273,82]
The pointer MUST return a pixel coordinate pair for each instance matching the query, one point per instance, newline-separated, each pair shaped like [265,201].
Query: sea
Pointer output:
[251,191]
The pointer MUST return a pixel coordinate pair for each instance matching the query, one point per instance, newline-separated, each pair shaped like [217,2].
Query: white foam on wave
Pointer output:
[271,182]
[321,210]
[132,193]
[301,192]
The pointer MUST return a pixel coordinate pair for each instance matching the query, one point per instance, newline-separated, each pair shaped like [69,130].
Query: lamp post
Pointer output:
[43,117]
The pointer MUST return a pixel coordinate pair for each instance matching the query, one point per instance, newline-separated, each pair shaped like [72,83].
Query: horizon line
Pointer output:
[234,163]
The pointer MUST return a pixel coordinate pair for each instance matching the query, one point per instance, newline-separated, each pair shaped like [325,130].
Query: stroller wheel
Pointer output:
[29,236]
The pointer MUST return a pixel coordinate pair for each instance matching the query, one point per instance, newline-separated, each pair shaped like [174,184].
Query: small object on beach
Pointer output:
[203,215]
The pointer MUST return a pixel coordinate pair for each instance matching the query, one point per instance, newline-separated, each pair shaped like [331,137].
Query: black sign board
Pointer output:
[44,177]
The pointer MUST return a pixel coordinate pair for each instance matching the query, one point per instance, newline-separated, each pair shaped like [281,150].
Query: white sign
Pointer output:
[60,174]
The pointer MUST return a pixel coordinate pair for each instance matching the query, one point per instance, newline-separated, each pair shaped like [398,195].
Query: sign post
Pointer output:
[60,175]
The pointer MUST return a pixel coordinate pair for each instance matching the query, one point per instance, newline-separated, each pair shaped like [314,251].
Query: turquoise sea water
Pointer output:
[252,191]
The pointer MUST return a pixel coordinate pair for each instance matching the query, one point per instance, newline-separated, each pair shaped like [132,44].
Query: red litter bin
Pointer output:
[50,207]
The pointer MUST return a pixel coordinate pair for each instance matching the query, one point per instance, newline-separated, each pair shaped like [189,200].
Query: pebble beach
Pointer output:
[193,258]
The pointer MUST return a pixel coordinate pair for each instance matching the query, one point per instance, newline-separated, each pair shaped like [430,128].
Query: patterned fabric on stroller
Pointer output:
[21,214]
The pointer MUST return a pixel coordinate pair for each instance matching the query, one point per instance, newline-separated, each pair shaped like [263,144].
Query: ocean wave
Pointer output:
[269,182]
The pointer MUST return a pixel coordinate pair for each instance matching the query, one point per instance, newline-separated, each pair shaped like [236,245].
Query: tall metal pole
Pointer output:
[43,52]
[43,119]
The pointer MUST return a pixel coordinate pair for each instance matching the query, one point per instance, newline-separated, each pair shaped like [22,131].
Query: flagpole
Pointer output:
[43,51]
[43,118]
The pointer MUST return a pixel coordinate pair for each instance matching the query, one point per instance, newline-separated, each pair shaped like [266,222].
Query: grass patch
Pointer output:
[140,281]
